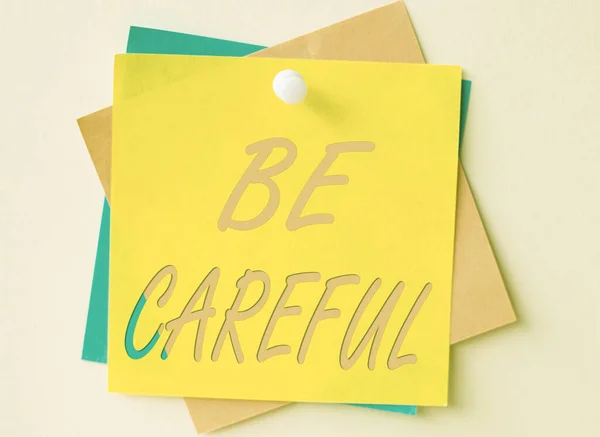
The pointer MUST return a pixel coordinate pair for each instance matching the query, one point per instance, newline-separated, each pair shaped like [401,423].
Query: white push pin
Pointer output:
[289,86]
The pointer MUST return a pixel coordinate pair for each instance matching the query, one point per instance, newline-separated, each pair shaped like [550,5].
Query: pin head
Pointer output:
[289,86]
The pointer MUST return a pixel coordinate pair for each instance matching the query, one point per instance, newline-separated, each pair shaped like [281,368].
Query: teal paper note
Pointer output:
[152,41]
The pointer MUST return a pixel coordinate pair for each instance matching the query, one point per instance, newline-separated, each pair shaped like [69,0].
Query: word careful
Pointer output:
[233,316]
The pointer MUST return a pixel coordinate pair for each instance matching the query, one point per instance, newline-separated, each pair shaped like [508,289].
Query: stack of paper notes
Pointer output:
[257,253]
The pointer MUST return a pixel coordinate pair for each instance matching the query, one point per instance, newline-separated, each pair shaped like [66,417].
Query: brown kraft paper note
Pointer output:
[480,301]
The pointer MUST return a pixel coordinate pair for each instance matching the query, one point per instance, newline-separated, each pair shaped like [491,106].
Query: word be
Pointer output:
[255,175]
[234,315]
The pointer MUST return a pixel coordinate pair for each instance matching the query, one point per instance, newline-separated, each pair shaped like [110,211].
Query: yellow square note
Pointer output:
[268,251]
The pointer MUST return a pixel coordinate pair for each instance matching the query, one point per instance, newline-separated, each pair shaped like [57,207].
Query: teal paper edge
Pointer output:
[465,96]
[153,41]
[95,341]
[143,40]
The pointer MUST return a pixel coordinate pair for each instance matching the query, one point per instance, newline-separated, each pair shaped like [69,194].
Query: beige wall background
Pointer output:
[531,151]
